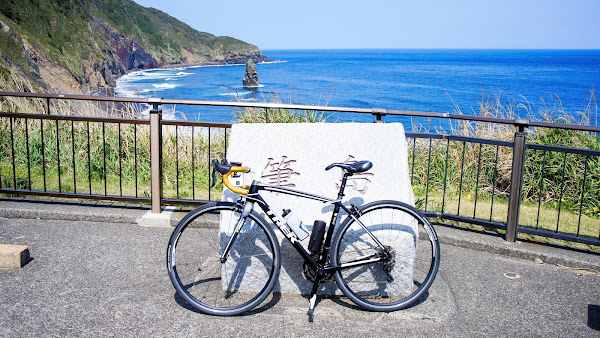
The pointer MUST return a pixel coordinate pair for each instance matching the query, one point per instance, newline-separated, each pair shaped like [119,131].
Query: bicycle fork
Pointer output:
[238,227]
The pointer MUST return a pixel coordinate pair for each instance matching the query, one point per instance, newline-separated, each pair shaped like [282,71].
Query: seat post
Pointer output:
[343,185]
[332,223]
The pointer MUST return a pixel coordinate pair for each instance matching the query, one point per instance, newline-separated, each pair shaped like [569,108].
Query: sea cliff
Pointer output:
[83,46]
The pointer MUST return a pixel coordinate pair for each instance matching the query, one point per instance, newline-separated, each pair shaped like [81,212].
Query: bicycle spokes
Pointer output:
[236,232]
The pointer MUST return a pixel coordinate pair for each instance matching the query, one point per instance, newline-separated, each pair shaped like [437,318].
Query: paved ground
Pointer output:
[109,278]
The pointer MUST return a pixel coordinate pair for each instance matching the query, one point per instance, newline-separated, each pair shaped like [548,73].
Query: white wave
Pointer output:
[242,86]
[132,90]
[124,92]
[146,112]
[157,76]
[235,94]
[168,113]
[164,86]
[129,91]
[152,74]
[268,62]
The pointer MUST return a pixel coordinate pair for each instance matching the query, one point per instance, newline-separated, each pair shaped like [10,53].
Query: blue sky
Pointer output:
[323,24]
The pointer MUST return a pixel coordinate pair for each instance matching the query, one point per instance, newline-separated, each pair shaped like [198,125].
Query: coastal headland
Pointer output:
[84,47]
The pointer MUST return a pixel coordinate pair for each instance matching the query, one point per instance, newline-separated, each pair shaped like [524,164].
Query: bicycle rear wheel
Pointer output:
[412,256]
[227,288]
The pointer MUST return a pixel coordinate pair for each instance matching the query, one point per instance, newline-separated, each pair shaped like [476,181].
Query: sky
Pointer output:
[335,24]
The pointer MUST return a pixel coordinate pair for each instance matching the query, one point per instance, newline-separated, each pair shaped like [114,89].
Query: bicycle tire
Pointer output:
[239,284]
[412,269]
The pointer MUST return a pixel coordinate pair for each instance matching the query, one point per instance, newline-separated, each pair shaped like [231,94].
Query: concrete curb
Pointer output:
[133,214]
[539,253]
[70,211]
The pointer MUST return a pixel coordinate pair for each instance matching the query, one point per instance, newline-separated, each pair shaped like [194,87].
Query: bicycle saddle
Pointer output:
[352,168]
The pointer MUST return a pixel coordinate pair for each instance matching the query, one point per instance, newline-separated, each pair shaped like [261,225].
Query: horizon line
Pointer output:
[438,48]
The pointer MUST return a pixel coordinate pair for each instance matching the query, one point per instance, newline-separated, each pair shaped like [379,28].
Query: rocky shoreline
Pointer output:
[239,60]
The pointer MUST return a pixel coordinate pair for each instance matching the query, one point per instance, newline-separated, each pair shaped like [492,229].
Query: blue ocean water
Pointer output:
[418,80]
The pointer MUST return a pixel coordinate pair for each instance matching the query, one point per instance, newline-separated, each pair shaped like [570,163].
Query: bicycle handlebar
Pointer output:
[227,169]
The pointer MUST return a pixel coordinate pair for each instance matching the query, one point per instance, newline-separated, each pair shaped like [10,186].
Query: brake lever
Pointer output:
[214,178]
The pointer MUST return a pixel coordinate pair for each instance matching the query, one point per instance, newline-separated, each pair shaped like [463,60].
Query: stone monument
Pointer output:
[295,156]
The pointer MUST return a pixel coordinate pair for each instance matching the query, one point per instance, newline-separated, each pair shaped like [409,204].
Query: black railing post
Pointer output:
[379,114]
[156,155]
[516,181]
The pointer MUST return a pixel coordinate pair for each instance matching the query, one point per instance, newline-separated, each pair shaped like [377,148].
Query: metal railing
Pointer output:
[456,178]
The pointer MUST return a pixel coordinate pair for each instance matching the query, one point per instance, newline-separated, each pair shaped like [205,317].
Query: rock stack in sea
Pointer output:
[251,77]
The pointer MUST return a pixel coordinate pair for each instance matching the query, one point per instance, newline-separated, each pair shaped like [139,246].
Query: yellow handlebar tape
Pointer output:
[241,191]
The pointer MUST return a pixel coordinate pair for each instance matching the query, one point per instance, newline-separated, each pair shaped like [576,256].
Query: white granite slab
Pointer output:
[295,156]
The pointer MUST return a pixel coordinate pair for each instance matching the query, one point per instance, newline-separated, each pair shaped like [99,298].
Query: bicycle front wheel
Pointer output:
[408,261]
[230,286]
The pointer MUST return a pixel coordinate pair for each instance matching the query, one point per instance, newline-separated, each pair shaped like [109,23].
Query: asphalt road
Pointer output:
[110,279]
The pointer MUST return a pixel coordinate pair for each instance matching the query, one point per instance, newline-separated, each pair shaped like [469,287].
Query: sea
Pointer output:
[445,81]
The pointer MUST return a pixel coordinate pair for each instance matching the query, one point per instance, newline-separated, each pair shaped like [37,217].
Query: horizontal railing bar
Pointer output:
[114,120]
[454,116]
[185,102]
[74,195]
[75,97]
[559,149]
[464,219]
[195,124]
[376,111]
[580,127]
[268,105]
[558,235]
[75,118]
[459,138]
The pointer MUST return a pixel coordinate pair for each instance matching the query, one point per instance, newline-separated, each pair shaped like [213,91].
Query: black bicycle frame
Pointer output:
[319,265]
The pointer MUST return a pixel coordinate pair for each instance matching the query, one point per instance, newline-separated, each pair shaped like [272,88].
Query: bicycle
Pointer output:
[224,259]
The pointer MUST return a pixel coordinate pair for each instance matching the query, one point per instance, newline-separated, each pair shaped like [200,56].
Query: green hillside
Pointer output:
[80,46]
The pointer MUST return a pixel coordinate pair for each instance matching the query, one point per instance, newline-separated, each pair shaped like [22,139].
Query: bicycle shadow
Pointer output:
[347,303]
[271,301]
[249,256]
[292,264]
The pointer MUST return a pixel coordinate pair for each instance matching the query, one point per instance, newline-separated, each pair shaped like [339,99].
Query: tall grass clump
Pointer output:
[473,179]
[564,181]
[105,158]
[101,158]
[74,156]
[276,115]
[187,152]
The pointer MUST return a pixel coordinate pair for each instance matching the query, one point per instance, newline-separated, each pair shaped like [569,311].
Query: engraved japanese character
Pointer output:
[279,173]
[359,181]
